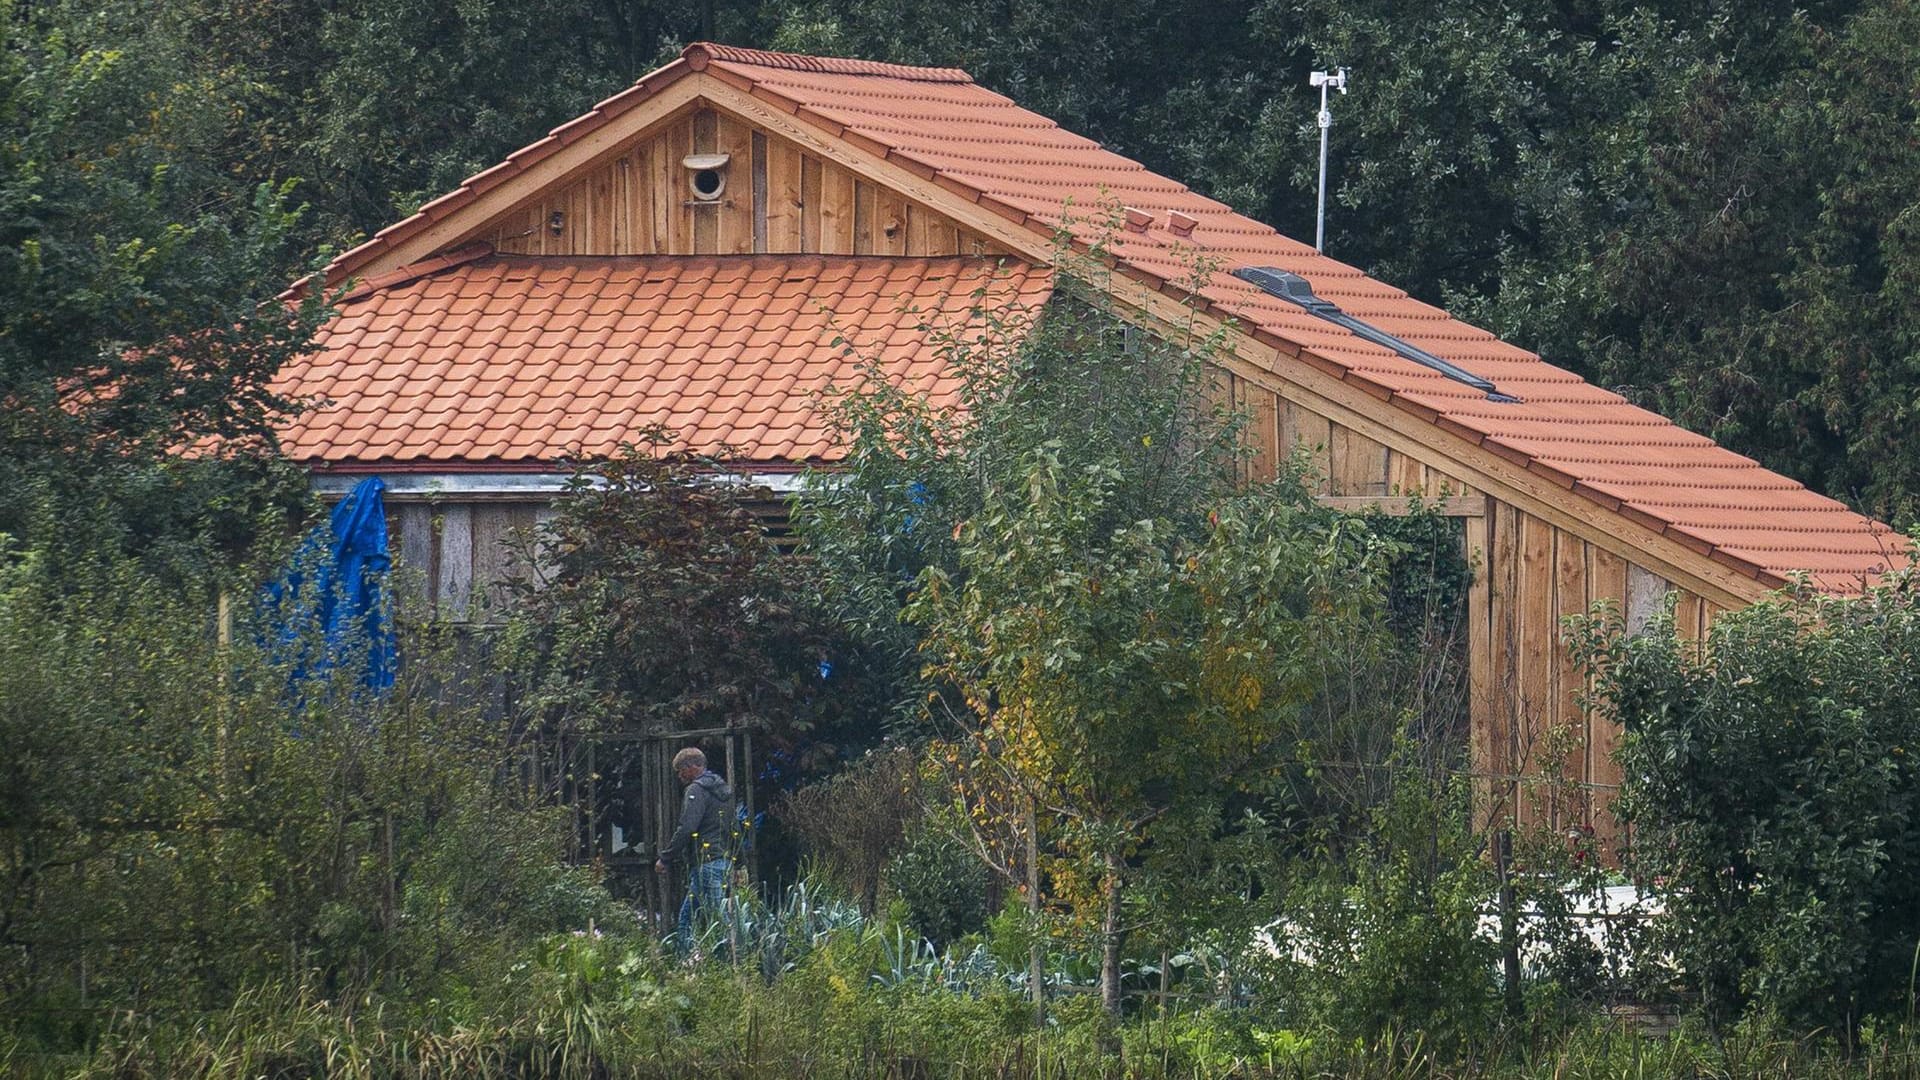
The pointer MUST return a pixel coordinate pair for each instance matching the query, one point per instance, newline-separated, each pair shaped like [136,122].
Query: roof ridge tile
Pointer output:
[699,54]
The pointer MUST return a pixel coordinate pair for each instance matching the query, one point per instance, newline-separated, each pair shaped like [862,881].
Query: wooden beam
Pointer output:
[1373,417]
[733,218]
[541,178]
[1484,759]
[417,548]
[1533,603]
[1459,506]
[1608,581]
[1570,598]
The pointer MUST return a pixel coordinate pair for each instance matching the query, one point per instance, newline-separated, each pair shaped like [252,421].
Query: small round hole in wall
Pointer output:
[706,175]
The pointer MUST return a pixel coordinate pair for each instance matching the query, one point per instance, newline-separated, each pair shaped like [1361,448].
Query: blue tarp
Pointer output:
[337,587]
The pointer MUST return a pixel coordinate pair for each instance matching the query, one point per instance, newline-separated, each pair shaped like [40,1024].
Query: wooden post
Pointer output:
[390,897]
[746,785]
[1509,921]
[1483,761]
[223,638]
[1036,959]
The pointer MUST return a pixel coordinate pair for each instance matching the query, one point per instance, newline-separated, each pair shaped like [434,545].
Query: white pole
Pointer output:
[1320,211]
[1336,80]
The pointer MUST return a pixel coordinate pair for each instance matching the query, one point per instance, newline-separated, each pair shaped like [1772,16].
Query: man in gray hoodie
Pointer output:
[701,843]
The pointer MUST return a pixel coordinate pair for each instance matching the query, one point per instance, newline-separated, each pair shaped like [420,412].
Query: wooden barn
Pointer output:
[687,252]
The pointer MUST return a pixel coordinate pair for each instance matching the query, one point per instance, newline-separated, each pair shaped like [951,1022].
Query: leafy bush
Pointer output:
[1390,945]
[846,997]
[174,830]
[654,601]
[852,823]
[1774,799]
[941,881]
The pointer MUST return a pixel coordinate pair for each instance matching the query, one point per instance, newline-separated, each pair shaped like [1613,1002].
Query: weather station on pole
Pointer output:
[1325,81]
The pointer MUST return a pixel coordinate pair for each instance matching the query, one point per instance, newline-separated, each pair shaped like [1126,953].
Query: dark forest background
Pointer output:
[1713,208]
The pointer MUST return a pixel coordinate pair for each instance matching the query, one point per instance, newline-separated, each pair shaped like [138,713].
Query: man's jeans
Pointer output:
[706,889]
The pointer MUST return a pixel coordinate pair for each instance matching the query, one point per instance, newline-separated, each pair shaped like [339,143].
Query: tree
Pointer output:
[1113,637]
[1122,678]
[137,285]
[654,602]
[377,108]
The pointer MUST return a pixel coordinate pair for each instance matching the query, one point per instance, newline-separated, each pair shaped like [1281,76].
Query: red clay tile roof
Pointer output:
[1027,168]
[1024,167]
[476,358]
[699,54]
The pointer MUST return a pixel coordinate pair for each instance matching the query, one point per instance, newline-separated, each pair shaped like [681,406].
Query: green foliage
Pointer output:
[172,831]
[1707,209]
[1389,944]
[586,1004]
[654,601]
[940,880]
[136,297]
[1117,640]
[379,107]
[1772,790]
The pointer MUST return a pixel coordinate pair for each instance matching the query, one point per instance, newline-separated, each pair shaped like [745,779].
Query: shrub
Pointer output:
[854,822]
[654,601]
[1390,945]
[941,881]
[174,830]
[1774,799]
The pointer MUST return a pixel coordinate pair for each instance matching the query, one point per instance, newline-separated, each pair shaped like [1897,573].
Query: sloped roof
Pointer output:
[475,357]
[982,147]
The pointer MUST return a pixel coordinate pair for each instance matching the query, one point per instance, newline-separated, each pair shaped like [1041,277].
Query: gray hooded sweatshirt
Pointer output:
[706,822]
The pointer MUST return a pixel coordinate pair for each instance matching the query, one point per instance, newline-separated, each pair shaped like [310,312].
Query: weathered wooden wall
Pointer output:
[1347,463]
[453,557]
[1549,763]
[778,199]
[1526,719]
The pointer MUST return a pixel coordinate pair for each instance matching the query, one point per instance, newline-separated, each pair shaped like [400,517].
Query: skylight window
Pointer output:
[1295,289]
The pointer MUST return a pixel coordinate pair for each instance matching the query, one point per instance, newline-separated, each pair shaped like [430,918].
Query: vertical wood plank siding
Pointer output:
[451,559]
[1528,719]
[778,199]
[1526,713]
[1607,582]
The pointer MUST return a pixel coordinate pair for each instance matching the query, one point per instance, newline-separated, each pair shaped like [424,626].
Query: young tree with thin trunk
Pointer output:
[1114,632]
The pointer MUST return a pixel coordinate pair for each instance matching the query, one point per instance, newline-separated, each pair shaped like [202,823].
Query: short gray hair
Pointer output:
[690,756]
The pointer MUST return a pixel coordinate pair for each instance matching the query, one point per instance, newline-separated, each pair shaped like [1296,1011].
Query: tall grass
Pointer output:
[808,988]
[715,1024]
